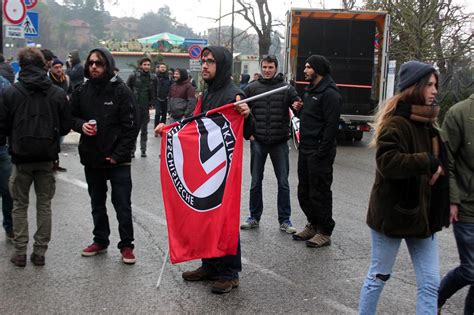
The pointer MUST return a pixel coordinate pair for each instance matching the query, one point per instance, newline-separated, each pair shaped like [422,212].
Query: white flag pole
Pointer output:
[253,98]
[165,260]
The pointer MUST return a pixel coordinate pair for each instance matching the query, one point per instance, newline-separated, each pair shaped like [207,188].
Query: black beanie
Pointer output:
[320,64]
[411,72]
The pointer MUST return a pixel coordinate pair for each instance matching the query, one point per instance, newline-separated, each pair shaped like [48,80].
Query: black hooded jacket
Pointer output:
[35,80]
[320,118]
[76,71]
[221,90]
[109,101]
[272,120]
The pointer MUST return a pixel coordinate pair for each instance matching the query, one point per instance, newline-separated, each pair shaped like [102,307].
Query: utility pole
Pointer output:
[220,17]
[1,25]
[232,36]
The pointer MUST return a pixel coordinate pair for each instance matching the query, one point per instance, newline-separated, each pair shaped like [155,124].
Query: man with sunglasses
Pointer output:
[105,116]
[216,71]
[270,138]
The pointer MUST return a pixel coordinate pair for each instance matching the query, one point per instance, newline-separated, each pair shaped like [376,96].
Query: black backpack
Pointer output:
[35,134]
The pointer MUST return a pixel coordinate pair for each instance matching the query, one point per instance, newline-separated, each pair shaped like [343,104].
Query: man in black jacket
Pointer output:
[144,86]
[216,72]
[6,70]
[164,84]
[318,129]
[270,138]
[33,145]
[75,69]
[104,114]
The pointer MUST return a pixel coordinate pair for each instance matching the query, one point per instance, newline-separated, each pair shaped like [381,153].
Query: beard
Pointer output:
[310,78]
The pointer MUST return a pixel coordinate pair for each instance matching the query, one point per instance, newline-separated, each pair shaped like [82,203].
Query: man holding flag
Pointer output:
[224,268]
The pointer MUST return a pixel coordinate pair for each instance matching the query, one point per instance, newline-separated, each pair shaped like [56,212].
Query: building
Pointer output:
[80,31]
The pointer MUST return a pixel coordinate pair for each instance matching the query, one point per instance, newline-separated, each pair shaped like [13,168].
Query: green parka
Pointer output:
[458,132]
[402,203]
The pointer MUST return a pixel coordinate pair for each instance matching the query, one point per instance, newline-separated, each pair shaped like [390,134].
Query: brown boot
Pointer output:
[199,274]
[224,285]
[308,232]
[19,260]
[37,260]
[319,240]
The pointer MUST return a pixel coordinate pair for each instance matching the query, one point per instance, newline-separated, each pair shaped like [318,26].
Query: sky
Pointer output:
[198,14]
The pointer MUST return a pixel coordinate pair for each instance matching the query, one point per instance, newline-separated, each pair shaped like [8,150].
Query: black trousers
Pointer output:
[227,267]
[121,182]
[314,190]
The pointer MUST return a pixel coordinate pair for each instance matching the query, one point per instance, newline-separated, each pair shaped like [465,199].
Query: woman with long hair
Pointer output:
[410,196]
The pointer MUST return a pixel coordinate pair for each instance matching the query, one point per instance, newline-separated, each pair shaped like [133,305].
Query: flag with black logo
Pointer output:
[201,175]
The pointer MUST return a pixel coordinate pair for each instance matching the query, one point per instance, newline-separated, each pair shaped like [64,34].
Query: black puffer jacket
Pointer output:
[109,101]
[271,113]
[320,118]
[221,90]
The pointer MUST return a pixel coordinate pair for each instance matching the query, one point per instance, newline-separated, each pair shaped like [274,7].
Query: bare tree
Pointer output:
[348,4]
[434,31]
[261,21]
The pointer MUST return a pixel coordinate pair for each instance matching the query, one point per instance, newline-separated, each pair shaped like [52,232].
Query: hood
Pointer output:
[245,78]
[223,67]
[276,79]
[183,75]
[326,83]
[34,78]
[108,58]
[75,57]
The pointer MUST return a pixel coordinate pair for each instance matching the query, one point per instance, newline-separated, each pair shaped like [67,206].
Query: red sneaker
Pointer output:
[93,249]
[127,255]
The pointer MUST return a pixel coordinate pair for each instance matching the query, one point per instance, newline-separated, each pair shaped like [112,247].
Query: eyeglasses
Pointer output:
[98,63]
[208,61]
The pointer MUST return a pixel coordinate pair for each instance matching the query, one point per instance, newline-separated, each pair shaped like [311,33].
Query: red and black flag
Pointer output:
[201,175]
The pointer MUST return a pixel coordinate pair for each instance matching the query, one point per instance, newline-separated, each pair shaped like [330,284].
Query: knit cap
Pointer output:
[411,72]
[57,62]
[320,64]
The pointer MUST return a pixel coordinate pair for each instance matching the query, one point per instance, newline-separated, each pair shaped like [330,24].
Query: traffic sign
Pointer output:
[30,4]
[194,51]
[31,24]
[194,65]
[14,10]
[195,41]
[14,31]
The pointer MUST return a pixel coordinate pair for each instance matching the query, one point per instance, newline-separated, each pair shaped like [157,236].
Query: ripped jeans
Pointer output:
[424,256]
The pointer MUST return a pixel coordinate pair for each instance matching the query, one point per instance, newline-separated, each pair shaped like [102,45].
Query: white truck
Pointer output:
[356,44]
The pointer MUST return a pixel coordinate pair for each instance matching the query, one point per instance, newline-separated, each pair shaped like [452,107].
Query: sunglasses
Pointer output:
[98,63]
[208,61]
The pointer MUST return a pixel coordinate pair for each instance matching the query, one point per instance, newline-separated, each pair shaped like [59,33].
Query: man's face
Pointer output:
[145,66]
[208,67]
[176,75]
[309,73]
[57,69]
[97,66]
[268,69]
[162,69]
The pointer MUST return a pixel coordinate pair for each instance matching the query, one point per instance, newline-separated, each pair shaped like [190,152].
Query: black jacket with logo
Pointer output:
[272,120]
[109,101]
[320,118]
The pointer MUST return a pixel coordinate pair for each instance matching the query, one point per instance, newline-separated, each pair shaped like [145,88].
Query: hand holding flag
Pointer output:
[242,108]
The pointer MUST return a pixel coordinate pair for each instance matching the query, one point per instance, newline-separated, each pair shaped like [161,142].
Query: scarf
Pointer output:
[59,80]
[426,114]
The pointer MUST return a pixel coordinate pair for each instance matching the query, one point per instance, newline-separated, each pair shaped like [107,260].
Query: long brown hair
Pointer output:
[411,95]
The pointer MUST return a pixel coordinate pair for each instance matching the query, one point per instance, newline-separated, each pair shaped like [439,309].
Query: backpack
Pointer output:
[35,135]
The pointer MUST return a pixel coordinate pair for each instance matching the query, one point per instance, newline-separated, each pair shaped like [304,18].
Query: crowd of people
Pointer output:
[424,176]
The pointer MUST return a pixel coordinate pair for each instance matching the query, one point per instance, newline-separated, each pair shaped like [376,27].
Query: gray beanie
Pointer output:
[320,64]
[411,72]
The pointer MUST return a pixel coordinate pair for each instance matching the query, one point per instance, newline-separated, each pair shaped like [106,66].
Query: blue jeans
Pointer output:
[121,182]
[7,201]
[424,256]
[279,156]
[462,275]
